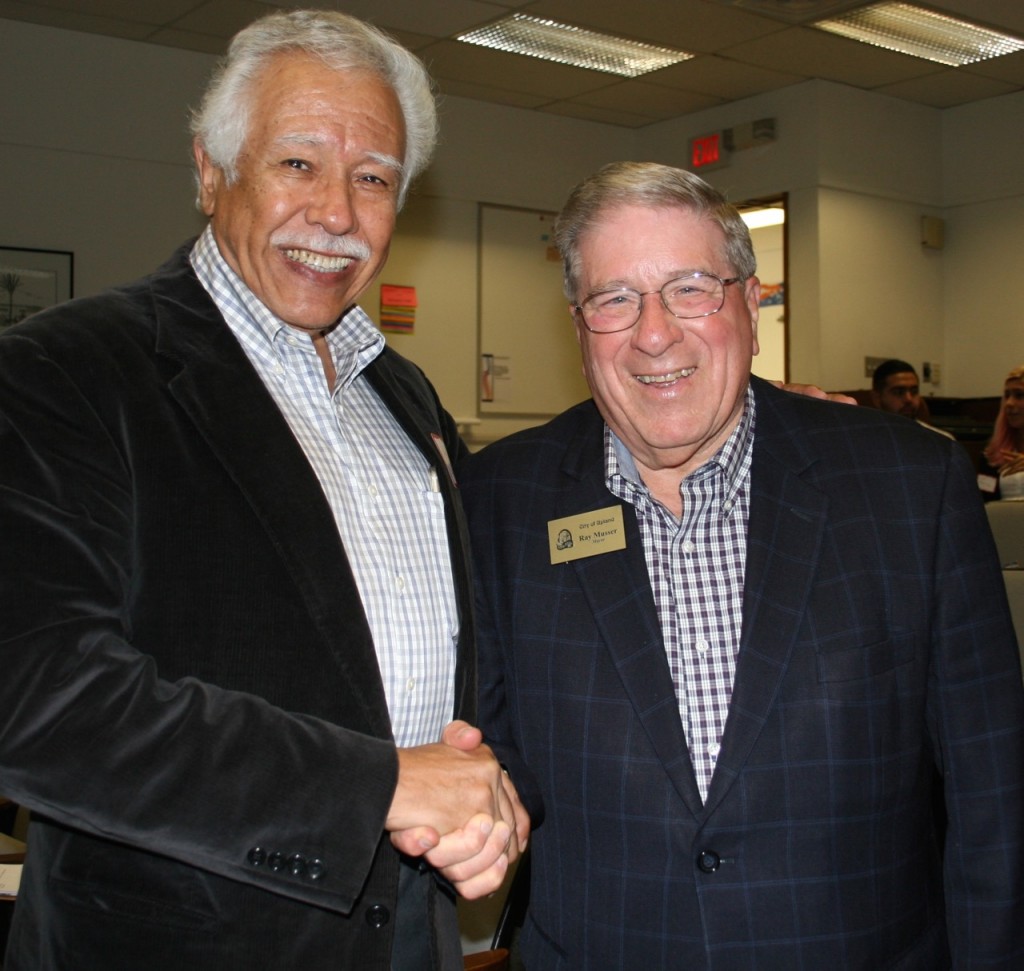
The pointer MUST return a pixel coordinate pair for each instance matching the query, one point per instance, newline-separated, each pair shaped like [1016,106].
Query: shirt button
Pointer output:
[713,749]
[702,647]
[400,582]
[688,546]
[372,489]
[410,685]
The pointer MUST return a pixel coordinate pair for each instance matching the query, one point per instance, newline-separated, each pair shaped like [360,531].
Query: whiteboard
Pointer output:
[529,357]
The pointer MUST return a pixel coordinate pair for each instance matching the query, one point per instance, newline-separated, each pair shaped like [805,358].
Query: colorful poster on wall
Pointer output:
[772,294]
[397,309]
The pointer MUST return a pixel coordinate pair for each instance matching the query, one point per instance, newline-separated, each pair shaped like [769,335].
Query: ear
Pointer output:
[579,329]
[210,176]
[752,296]
[577,324]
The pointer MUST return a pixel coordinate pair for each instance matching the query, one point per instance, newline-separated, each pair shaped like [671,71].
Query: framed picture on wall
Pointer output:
[31,280]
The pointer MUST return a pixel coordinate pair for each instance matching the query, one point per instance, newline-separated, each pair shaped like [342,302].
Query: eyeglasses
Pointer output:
[687,297]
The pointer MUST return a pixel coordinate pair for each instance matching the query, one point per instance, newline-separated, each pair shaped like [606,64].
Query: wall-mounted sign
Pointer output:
[707,151]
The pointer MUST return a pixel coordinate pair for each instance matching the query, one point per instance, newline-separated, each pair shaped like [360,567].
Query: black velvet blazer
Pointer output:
[190,700]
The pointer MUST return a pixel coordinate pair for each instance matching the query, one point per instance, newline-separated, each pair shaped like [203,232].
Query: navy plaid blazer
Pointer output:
[866,808]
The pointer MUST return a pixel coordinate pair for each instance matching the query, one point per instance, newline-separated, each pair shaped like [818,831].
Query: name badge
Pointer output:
[586,534]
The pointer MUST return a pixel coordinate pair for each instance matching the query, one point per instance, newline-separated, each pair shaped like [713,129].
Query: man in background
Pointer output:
[777,656]
[896,388]
[236,623]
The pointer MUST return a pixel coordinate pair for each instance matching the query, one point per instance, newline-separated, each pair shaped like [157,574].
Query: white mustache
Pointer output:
[349,246]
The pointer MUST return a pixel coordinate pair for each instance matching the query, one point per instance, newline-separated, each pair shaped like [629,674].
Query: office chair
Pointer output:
[1006,517]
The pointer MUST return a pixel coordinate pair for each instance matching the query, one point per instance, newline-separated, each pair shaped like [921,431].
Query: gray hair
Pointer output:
[343,43]
[656,187]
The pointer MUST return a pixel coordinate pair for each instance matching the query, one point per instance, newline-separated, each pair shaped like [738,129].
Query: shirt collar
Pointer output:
[354,342]
[733,458]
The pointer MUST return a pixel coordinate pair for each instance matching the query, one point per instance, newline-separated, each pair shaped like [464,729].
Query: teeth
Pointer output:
[317,261]
[665,378]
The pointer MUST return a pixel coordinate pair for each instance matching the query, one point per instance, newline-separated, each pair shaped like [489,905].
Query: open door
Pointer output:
[766,219]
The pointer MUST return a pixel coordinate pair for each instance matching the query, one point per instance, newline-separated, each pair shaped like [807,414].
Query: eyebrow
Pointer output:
[621,284]
[387,160]
[315,141]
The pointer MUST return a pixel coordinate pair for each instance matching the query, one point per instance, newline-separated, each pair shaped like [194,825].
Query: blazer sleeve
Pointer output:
[976,716]
[91,733]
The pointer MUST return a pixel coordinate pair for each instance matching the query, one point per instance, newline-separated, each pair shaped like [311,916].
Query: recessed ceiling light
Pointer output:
[922,33]
[565,44]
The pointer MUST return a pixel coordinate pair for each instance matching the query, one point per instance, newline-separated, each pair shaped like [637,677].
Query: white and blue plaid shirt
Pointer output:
[381,489]
[696,566]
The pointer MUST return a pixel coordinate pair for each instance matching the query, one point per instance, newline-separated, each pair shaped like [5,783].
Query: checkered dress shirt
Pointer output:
[383,493]
[696,567]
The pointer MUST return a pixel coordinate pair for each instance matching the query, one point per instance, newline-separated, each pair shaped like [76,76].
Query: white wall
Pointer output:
[94,149]
[95,159]
[983,262]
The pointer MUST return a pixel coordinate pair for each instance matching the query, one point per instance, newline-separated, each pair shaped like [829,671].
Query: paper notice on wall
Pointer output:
[398,308]
[493,371]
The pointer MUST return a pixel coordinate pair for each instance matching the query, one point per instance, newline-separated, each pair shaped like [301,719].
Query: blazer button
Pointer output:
[708,861]
[297,865]
[276,861]
[257,856]
[377,916]
[316,869]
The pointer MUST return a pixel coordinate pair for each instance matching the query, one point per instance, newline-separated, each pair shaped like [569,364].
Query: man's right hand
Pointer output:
[456,806]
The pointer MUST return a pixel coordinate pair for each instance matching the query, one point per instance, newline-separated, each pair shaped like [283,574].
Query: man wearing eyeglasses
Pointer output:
[748,697]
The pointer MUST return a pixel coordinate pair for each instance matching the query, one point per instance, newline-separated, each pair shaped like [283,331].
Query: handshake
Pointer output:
[455,806]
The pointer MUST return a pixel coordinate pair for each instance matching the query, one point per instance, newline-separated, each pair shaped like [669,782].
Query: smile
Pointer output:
[318,261]
[665,378]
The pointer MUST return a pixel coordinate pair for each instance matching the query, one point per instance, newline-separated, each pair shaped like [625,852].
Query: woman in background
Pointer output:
[1003,478]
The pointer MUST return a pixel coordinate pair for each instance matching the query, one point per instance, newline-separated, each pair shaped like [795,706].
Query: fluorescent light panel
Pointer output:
[922,33]
[565,44]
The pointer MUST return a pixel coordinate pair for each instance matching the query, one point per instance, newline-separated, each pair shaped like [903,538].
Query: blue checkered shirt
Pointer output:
[696,566]
[381,489]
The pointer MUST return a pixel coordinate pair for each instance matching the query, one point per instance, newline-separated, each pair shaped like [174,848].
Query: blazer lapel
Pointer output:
[216,386]
[787,518]
[623,609]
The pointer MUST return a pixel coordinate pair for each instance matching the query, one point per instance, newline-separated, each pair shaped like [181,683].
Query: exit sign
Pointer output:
[707,151]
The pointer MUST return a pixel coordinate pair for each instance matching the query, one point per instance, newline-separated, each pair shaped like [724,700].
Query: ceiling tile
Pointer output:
[947,88]
[692,25]
[647,99]
[606,116]
[828,56]
[722,77]
[436,18]
[1009,68]
[188,41]
[514,72]
[221,18]
[34,13]
[143,11]
[1005,15]
[482,92]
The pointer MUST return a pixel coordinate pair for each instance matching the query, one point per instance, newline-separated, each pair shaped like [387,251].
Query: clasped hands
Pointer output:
[457,808]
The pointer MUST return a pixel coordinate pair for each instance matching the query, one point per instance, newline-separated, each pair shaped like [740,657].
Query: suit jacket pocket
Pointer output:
[866,660]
